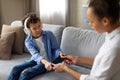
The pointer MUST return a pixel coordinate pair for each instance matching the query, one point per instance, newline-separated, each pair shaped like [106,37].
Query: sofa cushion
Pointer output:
[6,44]
[76,41]
[18,59]
[9,64]
[56,29]
[61,76]
[19,39]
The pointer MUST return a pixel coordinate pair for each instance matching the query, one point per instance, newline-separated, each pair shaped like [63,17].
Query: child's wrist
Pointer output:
[44,61]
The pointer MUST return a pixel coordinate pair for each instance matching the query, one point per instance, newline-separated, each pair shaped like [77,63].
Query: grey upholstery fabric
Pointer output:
[81,42]
[6,66]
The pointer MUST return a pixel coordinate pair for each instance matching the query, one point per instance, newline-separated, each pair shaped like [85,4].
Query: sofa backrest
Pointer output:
[55,29]
[81,42]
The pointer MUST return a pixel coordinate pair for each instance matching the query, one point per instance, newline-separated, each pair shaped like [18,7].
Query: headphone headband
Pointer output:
[25,23]
[26,30]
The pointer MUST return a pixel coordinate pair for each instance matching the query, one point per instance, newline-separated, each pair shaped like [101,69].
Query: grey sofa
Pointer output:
[74,41]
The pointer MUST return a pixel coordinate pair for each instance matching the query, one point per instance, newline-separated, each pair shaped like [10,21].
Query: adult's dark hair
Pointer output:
[32,19]
[106,8]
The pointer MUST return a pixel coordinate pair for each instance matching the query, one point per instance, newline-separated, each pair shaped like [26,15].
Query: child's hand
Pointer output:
[60,67]
[48,66]
[62,55]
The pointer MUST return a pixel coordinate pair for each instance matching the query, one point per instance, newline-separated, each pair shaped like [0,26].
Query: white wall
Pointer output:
[12,10]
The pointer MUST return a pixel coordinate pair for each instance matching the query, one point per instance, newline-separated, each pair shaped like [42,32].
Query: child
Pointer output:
[43,47]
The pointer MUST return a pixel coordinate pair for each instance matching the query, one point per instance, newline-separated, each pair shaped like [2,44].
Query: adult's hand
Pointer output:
[60,67]
[69,59]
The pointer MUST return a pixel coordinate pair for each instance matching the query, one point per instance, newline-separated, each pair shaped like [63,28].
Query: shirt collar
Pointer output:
[43,32]
[112,34]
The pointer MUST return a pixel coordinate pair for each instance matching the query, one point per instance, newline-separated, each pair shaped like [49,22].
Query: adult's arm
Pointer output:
[85,60]
[61,67]
[78,59]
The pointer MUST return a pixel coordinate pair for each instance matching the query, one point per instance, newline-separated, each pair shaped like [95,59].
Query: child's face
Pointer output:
[36,29]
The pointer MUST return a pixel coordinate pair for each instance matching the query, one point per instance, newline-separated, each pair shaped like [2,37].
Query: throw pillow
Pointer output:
[19,39]
[6,44]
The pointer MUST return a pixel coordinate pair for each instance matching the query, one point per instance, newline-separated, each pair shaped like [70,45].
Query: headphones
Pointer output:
[26,30]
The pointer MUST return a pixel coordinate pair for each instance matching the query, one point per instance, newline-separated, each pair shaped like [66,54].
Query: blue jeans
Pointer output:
[28,70]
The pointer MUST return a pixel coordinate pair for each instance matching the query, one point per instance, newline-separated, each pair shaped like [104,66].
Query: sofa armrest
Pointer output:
[80,42]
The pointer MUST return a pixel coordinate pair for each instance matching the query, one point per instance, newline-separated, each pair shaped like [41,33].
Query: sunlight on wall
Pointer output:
[53,11]
[51,6]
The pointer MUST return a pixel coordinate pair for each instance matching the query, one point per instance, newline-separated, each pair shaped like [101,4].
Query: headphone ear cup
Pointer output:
[27,31]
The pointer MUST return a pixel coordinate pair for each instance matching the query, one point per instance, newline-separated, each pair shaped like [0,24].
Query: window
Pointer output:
[53,11]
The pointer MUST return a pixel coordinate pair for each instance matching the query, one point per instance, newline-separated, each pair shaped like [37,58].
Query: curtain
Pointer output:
[0,17]
[34,6]
[54,11]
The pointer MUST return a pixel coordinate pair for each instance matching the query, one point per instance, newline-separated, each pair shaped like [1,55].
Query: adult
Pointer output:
[103,16]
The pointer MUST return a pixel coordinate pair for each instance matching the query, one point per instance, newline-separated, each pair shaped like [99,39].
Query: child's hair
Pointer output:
[106,8]
[32,18]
